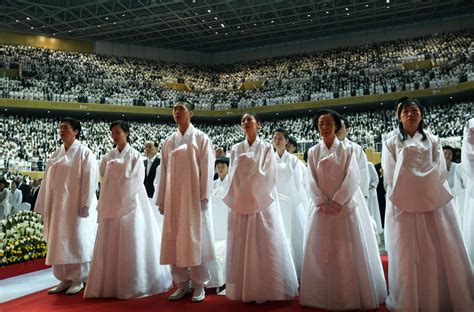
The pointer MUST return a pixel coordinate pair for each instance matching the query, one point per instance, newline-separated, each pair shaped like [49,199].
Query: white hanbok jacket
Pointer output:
[342,267]
[69,183]
[187,169]
[429,266]
[467,164]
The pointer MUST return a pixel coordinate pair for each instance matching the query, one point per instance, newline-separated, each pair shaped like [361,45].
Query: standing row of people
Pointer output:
[335,249]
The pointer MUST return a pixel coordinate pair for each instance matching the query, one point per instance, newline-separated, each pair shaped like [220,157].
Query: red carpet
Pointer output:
[41,301]
[22,268]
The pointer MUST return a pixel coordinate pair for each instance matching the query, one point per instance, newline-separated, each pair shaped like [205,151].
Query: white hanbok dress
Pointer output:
[373,205]
[429,268]
[259,262]
[126,261]
[342,269]
[467,163]
[293,202]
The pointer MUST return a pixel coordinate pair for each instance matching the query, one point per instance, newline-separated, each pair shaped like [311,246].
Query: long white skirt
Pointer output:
[126,259]
[342,269]
[429,268]
[259,262]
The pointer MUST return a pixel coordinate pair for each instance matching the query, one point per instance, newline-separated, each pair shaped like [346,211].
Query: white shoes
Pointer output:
[75,288]
[70,287]
[198,294]
[179,293]
[60,287]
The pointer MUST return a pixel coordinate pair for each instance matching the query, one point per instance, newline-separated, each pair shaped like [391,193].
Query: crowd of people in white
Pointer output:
[26,142]
[374,68]
[323,209]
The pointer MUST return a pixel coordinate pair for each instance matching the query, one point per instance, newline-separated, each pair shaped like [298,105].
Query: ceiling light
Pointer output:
[209,11]
[54,34]
[366,5]
[17,21]
[98,26]
[238,27]
[210,27]
[222,25]
[28,18]
[388,1]
[327,12]
[226,34]
[254,24]
[216,18]
[70,31]
[309,15]
[123,15]
[347,14]
[32,27]
[217,33]
[272,22]
[115,23]
[388,7]
[107,18]
[347,9]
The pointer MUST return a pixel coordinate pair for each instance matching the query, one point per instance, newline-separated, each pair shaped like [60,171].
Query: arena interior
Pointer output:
[104,60]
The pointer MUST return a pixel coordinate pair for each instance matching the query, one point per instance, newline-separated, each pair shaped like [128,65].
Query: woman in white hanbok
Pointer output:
[429,267]
[467,165]
[259,263]
[373,202]
[126,259]
[342,269]
[291,194]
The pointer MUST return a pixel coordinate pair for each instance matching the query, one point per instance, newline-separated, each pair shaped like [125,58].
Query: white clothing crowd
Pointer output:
[26,142]
[374,68]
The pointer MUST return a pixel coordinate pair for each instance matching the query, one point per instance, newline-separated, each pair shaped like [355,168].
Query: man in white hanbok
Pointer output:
[184,194]
[291,189]
[259,263]
[467,165]
[67,201]
[342,268]
[429,266]
[126,260]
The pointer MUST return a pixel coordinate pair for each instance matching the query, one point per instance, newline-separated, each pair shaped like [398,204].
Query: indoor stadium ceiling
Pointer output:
[215,25]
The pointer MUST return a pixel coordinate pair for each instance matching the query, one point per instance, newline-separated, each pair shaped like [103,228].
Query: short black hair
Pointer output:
[282,131]
[155,143]
[74,123]
[335,115]
[254,115]
[293,142]
[448,147]
[189,105]
[345,121]
[122,124]
[222,160]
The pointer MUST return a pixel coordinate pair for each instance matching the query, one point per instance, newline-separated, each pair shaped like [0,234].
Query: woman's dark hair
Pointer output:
[254,115]
[16,183]
[75,125]
[124,125]
[401,104]
[335,115]
[293,141]
[282,131]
